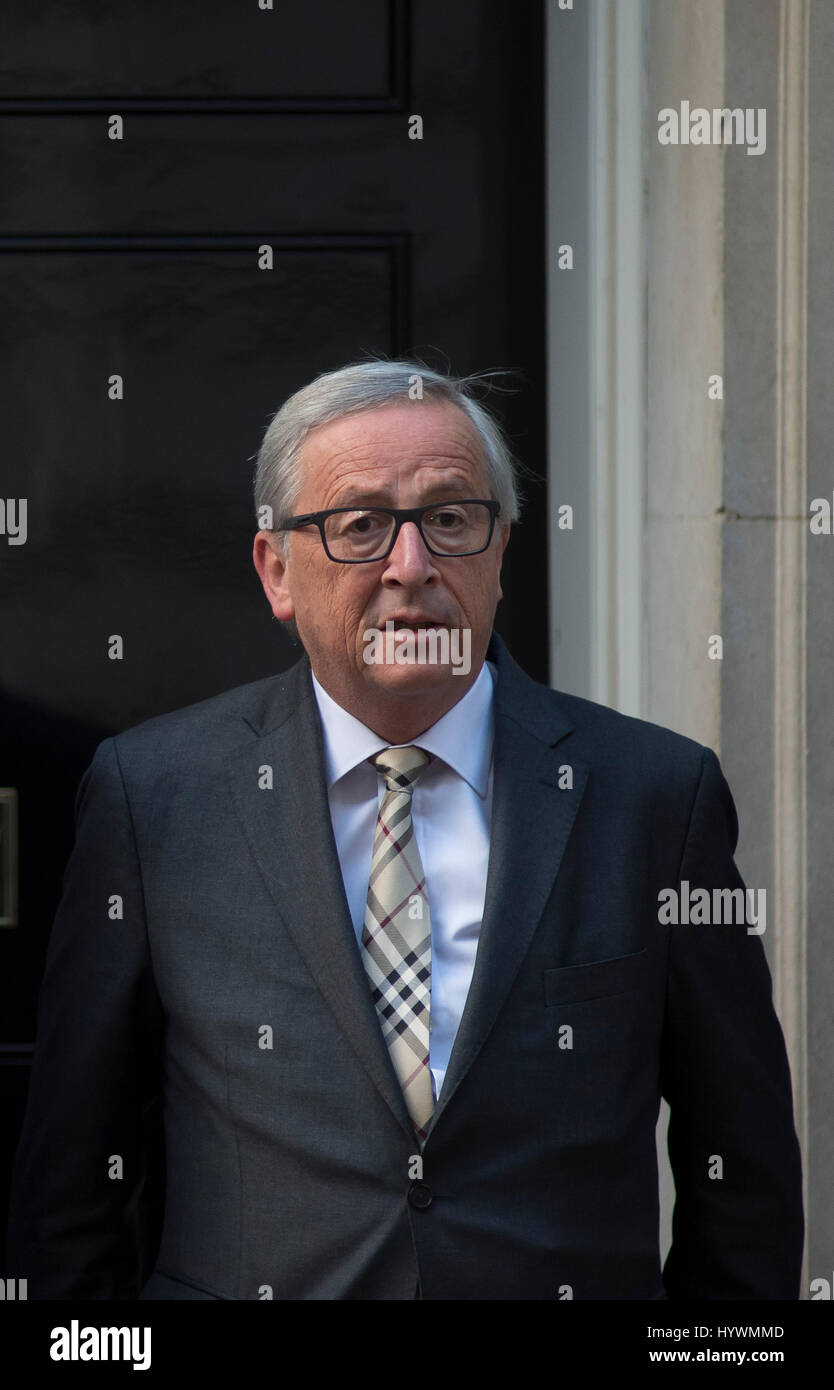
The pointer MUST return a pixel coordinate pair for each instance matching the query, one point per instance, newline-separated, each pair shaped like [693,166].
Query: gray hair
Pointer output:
[365,386]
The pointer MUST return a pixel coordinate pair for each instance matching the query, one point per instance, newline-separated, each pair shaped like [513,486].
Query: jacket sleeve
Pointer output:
[80,1163]
[738,1223]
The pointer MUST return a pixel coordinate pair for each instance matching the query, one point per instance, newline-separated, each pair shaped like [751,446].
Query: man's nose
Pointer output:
[410,560]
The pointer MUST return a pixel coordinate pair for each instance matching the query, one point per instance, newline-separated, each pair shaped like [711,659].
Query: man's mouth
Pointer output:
[416,624]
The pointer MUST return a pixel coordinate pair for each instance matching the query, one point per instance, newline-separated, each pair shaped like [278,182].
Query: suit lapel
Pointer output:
[290,836]
[532,817]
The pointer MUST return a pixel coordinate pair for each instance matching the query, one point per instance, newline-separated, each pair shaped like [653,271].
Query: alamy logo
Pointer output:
[13,519]
[721,907]
[13,1290]
[76,1343]
[722,125]
[425,646]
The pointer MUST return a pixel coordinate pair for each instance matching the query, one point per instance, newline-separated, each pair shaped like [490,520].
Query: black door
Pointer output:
[150,151]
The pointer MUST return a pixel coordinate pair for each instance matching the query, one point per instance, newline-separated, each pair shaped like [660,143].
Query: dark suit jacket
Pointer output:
[289,1169]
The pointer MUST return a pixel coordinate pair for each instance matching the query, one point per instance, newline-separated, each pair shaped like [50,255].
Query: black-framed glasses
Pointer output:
[357,535]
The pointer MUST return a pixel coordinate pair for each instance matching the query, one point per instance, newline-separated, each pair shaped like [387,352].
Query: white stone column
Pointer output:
[698,264]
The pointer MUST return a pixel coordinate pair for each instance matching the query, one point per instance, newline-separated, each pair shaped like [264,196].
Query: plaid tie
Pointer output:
[396,935]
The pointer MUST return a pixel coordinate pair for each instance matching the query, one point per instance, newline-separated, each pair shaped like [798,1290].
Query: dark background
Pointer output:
[140,257]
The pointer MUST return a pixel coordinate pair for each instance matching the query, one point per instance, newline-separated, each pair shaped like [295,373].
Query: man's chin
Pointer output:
[410,680]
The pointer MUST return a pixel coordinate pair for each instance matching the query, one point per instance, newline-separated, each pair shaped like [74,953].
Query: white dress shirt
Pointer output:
[451,813]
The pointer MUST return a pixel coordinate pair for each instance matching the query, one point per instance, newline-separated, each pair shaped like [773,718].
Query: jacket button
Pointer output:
[420,1196]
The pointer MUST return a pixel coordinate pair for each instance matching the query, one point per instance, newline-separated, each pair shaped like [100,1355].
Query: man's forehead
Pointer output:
[420,426]
[420,431]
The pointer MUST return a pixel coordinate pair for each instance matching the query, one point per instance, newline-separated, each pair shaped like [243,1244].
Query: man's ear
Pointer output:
[504,537]
[271,562]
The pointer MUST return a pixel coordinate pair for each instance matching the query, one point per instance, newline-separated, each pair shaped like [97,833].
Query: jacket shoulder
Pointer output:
[637,761]
[613,731]
[604,735]
[217,722]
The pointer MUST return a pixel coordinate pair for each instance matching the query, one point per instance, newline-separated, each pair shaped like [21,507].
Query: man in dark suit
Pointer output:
[391,941]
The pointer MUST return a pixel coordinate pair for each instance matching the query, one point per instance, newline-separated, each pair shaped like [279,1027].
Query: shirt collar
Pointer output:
[462,737]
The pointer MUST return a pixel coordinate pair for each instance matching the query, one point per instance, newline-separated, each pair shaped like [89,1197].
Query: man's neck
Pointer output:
[401,719]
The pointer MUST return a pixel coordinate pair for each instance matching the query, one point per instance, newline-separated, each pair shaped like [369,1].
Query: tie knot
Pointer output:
[400,767]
